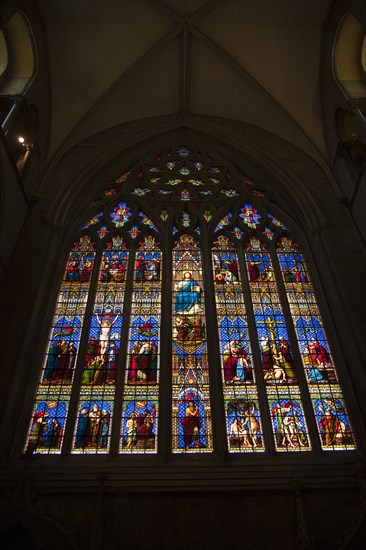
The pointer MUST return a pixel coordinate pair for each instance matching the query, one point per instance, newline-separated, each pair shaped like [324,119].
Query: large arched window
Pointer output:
[185,288]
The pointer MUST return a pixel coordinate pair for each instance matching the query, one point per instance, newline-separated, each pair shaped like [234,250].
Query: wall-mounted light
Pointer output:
[23,158]
[27,146]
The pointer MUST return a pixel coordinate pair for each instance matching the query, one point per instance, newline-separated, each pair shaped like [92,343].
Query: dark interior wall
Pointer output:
[231,520]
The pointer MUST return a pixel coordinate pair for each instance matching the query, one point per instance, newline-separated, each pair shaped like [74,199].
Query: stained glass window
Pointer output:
[185,307]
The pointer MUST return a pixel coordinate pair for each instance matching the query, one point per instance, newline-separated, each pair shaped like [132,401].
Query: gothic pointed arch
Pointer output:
[184,268]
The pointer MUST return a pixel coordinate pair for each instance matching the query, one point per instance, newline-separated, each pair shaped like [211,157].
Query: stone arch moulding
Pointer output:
[22,58]
[251,149]
[349,43]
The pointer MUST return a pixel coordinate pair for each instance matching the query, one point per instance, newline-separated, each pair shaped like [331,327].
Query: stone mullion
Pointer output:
[165,345]
[268,436]
[217,405]
[302,382]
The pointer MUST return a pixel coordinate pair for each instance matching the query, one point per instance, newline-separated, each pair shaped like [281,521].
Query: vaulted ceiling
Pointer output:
[114,61]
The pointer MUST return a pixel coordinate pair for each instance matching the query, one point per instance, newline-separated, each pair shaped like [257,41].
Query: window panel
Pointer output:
[141,390]
[329,408]
[191,402]
[278,365]
[100,362]
[288,419]
[54,389]
[244,430]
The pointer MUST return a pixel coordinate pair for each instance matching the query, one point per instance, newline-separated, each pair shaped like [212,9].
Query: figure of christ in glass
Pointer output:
[139,429]
[102,352]
[191,416]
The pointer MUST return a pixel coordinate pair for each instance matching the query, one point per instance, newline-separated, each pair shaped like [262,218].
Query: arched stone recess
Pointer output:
[36,92]
[347,150]
[333,95]
[300,193]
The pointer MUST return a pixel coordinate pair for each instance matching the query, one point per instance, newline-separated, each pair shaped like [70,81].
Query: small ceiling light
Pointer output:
[21,139]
